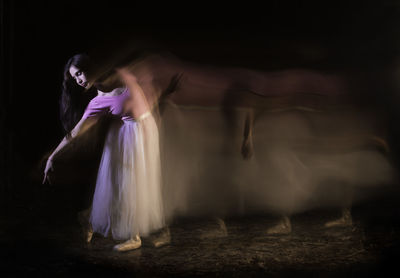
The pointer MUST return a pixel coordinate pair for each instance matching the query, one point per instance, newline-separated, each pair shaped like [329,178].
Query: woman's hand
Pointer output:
[49,166]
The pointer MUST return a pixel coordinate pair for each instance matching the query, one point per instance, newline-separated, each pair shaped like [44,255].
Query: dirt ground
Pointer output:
[36,242]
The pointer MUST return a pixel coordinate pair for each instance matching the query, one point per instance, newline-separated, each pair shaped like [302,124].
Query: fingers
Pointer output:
[46,178]
[46,173]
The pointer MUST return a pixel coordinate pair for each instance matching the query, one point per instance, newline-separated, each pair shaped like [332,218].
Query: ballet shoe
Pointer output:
[284,227]
[89,234]
[83,219]
[215,231]
[222,226]
[128,245]
[164,238]
[344,221]
[341,222]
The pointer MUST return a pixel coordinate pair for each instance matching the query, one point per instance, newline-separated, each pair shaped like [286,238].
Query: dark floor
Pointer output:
[35,242]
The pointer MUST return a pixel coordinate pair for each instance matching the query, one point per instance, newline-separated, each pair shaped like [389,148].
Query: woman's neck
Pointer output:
[114,92]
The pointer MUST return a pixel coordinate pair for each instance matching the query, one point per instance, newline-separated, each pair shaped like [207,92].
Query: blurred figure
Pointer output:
[296,131]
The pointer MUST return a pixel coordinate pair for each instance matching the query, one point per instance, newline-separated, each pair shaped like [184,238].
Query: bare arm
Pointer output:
[81,127]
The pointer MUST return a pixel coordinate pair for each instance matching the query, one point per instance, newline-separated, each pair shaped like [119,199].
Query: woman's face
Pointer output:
[79,76]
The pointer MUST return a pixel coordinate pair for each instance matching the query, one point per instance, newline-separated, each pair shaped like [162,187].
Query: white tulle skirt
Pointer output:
[127,199]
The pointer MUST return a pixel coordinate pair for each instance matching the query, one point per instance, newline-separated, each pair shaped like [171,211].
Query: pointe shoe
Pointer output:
[83,219]
[128,245]
[164,238]
[284,227]
[222,226]
[341,222]
[89,234]
[215,231]
[344,221]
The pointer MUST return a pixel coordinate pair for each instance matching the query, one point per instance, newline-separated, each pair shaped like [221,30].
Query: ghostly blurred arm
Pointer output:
[139,104]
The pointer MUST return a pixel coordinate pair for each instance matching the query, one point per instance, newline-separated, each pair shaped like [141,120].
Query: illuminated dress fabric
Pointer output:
[127,199]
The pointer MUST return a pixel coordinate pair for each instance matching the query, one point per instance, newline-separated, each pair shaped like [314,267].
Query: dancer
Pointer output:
[127,201]
[202,185]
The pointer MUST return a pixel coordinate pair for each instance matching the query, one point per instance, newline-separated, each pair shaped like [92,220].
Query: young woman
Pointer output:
[127,201]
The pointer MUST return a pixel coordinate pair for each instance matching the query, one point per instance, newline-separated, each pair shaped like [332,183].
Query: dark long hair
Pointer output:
[74,99]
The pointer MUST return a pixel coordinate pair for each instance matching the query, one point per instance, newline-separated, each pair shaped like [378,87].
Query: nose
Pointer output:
[79,81]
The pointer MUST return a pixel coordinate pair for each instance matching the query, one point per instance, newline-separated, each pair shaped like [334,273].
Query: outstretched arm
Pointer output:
[82,126]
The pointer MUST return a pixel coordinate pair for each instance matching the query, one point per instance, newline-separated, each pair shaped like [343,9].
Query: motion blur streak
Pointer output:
[235,140]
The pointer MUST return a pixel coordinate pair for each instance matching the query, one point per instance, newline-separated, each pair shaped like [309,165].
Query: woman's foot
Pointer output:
[215,229]
[222,226]
[83,218]
[89,234]
[283,227]
[344,221]
[162,239]
[128,245]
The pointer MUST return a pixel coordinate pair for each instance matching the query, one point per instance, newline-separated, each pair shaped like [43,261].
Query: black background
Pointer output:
[38,37]
[41,35]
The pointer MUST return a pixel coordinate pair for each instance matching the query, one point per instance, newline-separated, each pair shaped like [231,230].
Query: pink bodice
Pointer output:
[102,105]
